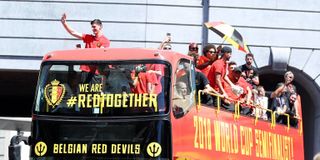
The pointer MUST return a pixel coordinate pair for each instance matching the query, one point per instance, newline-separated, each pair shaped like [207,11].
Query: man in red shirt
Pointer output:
[241,90]
[205,61]
[95,40]
[145,82]
[217,72]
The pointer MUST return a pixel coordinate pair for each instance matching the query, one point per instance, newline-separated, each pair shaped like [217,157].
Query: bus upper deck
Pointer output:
[126,104]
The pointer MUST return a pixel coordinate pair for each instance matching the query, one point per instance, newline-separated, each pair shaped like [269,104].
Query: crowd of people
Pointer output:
[241,83]
[217,74]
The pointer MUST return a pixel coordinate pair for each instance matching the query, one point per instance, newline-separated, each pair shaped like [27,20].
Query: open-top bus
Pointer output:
[86,108]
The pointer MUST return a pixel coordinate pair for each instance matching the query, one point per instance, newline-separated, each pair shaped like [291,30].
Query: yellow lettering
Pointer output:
[246,140]
[200,132]
[113,149]
[195,124]
[125,149]
[153,101]
[94,148]
[223,138]
[109,100]
[81,100]
[145,97]
[137,149]
[96,100]
[137,100]
[209,134]
[69,148]
[273,146]
[117,100]
[105,101]
[96,88]
[202,136]
[89,99]
[124,100]
[83,87]
[55,148]
[235,136]
[217,131]
[99,148]
[131,99]
[102,99]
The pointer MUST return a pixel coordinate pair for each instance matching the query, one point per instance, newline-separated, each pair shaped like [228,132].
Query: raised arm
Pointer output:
[166,40]
[68,28]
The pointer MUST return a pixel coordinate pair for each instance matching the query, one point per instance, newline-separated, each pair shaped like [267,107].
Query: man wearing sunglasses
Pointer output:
[193,50]
[209,55]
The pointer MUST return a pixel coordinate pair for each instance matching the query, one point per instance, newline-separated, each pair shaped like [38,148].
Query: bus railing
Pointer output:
[257,116]
[237,111]
[285,114]
[212,94]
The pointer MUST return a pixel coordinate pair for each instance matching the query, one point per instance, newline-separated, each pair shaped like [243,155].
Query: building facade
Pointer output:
[282,34]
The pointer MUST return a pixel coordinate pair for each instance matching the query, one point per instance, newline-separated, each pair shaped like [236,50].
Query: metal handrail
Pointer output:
[213,94]
[237,110]
[288,118]
[256,115]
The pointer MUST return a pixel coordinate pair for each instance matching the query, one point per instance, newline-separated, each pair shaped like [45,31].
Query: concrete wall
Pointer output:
[32,28]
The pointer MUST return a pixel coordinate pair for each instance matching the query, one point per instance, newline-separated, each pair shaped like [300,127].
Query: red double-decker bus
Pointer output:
[124,104]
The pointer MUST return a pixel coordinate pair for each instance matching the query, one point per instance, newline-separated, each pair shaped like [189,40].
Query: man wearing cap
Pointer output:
[245,91]
[240,90]
[217,72]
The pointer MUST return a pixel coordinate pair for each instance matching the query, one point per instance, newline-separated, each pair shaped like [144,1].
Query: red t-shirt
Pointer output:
[241,83]
[202,60]
[227,88]
[219,66]
[244,84]
[143,79]
[92,41]
[157,67]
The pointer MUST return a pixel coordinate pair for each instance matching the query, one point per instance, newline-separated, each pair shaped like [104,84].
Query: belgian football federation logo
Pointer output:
[54,92]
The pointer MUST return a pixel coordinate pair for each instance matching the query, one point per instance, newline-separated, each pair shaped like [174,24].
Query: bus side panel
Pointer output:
[205,134]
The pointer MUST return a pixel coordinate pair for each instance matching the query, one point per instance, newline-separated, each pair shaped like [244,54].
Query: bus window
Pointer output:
[184,89]
[111,89]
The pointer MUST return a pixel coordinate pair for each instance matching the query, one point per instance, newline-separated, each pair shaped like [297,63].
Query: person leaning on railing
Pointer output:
[239,90]
[261,103]
[285,89]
